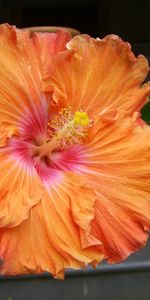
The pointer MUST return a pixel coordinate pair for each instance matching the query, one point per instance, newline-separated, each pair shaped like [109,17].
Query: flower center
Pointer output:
[65,130]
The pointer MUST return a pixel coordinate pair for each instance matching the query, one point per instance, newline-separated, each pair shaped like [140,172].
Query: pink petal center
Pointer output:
[26,148]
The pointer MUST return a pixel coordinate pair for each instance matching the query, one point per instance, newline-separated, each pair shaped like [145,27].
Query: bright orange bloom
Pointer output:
[74,153]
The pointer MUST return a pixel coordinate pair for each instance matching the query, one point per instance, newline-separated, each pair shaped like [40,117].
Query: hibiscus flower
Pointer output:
[74,153]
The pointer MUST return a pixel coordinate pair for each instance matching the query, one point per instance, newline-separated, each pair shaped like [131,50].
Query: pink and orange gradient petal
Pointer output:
[98,76]
[21,73]
[49,240]
[117,168]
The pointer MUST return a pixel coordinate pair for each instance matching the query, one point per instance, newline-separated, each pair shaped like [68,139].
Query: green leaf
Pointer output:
[145,113]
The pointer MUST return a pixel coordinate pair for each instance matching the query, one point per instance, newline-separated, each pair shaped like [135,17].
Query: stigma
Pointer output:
[81,118]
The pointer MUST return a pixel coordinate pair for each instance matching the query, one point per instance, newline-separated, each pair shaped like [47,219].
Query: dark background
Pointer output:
[130,20]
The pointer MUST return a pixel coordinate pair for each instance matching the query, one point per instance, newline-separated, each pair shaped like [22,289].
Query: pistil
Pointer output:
[65,130]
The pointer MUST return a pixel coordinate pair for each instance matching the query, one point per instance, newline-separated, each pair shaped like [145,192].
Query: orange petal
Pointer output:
[117,167]
[47,46]
[82,201]
[5,132]
[49,240]
[119,230]
[99,75]
[20,189]
[21,72]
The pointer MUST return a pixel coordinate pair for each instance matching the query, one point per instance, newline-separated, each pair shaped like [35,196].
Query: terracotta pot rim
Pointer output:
[52,29]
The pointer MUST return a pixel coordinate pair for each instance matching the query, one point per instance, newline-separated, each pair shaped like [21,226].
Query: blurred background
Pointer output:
[127,18]
[130,20]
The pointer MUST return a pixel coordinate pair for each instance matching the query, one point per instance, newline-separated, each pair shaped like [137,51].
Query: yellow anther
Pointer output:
[81,118]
